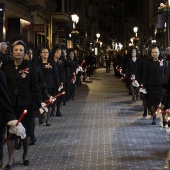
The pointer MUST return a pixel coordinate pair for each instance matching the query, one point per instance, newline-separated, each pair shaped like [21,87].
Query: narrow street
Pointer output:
[100,130]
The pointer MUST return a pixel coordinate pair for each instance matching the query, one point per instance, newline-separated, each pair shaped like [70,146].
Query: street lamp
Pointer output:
[135,29]
[98,36]
[75,19]
[165,10]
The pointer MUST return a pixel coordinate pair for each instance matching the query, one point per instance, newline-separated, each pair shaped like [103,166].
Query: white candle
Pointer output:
[168,2]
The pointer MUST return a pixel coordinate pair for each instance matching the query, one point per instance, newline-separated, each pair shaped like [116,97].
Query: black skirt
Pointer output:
[153,95]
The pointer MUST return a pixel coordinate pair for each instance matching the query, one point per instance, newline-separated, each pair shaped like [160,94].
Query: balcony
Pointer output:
[32,4]
[60,17]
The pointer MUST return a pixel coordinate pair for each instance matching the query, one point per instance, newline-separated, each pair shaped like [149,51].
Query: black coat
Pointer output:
[152,80]
[153,73]
[22,85]
[140,68]
[71,67]
[131,69]
[51,78]
[6,110]
[61,71]
[50,74]
[62,77]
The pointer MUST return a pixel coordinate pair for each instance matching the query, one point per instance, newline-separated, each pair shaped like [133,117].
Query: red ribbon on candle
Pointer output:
[19,120]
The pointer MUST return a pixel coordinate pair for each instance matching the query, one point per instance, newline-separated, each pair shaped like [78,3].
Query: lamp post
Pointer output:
[135,29]
[75,19]
[97,44]
[98,36]
[165,10]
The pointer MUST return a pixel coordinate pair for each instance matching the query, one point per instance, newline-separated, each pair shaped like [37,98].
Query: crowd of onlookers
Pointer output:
[36,83]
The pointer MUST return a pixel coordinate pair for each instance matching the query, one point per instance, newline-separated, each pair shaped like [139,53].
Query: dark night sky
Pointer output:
[130,6]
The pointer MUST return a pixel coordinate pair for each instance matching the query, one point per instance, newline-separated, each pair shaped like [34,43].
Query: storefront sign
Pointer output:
[38,28]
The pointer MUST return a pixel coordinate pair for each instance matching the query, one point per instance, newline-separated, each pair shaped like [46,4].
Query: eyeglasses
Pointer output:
[44,52]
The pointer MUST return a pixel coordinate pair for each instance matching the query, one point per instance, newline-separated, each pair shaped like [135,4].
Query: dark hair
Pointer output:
[39,50]
[55,48]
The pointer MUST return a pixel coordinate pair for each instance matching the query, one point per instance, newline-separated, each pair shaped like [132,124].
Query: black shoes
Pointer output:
[133,99]
[144,114]
[58,114]
[33,140]
[153,123]
[164,123]
[9,167]
[25,161]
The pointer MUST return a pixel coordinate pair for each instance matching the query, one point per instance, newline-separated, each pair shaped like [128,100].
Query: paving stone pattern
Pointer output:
[100,130]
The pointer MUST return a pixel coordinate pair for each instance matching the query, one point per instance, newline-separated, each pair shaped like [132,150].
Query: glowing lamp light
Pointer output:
[98,35]
[75,18]
[135,29]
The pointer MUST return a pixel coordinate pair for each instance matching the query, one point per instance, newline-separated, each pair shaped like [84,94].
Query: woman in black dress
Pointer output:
[152,80]
[23,90]
[131,74]
[50,74]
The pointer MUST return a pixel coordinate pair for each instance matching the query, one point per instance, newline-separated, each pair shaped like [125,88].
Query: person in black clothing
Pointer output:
[60,63]
[165,97]
[71,68]
[131,75]
[108,62]
[50,74]
[6,111]
[143,59]
[23,91]
[152,80]
[3,53]
[125,59]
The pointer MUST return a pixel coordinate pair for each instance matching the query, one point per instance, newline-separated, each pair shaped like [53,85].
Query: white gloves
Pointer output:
[135,83]
[79,69]
[18,130]
[74,80]
[168,110]
[43,108]
[52,99]
[60,87]
[143,90]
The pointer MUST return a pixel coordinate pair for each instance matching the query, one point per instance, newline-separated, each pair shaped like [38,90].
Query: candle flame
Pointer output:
[25,111]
